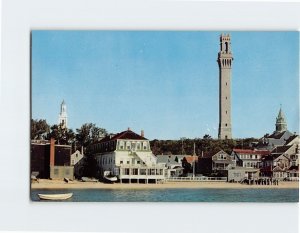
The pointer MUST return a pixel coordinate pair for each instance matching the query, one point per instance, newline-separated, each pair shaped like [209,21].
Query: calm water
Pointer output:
[177,195]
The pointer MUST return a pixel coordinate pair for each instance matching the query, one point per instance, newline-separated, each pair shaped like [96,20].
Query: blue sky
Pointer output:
[164,82]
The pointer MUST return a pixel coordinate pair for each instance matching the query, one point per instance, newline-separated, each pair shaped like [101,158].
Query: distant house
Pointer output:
[282,161]
[76,157]
[215,162]
[238,173]
[266,166]
[79,162]
[249,158]
[172,163]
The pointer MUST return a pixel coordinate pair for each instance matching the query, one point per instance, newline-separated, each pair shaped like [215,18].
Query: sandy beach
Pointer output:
[60,184]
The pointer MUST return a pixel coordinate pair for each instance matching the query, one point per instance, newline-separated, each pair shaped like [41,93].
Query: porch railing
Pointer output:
[204,179]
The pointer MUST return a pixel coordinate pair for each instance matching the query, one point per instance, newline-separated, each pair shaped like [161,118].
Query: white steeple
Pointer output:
[63,117]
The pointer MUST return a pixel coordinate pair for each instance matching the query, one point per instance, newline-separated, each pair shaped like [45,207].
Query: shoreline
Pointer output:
[60,184]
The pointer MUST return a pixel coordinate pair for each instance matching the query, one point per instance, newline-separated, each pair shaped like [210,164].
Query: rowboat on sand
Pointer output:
[62,196]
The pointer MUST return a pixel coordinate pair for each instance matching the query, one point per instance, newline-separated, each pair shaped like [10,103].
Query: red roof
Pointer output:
[191,158]
[248,151]
[128,134]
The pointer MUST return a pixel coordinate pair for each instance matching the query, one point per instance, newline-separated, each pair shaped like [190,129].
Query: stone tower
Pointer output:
[63,117]
[225,62]
[281,124]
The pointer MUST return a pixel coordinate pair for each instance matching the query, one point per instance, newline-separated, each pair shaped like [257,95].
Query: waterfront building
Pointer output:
[279,162]
[63,116]
[225,60]
[49,160]
[249,158]
[172,163]
[219,161]
[286,162]
[238,174]
[128,156]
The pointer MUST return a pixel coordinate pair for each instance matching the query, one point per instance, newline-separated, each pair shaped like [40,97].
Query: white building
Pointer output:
[128,156]
[76,157]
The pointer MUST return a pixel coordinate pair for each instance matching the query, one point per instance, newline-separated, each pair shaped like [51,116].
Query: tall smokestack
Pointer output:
[128,128]
[142,133]
[52,152]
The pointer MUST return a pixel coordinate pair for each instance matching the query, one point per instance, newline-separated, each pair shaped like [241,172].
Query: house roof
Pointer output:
[169,159]
[276,135]
[211,153]
[191,158]
[291,138]
[128,134]
[248,151]
[292,168]
[280,149]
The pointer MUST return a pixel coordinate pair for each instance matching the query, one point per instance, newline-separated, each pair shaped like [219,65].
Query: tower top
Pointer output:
[224,37]
[225,46]
[281,124]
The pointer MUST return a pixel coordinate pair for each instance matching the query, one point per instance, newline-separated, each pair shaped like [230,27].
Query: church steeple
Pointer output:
[281,124]
[63,117]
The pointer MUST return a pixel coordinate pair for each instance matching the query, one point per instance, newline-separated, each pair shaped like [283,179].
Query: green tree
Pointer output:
[89,133]
[62,135]
[39,129]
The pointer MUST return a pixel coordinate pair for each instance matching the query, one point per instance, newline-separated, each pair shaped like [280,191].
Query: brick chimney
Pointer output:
[52,152]
[142,133]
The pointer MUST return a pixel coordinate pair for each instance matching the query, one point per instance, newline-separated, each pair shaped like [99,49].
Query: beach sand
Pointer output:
[60,184]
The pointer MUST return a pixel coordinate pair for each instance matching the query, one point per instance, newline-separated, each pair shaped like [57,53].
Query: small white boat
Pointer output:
[62,196]
[109,178]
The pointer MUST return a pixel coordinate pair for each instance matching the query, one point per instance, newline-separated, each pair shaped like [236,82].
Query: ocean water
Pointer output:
[175,195]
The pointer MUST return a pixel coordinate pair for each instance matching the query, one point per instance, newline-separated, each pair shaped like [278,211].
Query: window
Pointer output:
[135,171]
[121,162]
[143,172]
[128,162]
[126,171]
[138,162]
